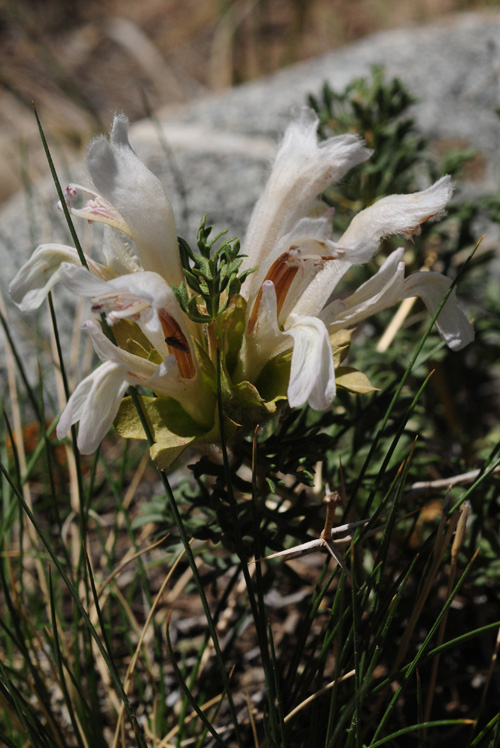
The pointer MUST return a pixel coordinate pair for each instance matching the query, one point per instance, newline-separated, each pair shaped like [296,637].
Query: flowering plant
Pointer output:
[222,336]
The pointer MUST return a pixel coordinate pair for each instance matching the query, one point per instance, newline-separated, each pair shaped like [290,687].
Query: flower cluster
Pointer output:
[279,333]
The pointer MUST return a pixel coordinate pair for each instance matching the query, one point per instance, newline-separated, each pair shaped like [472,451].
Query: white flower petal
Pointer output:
[312,373]
[453,325]
[137,194]
[301,171]
[139,369]
[96,209]
[397,214]
[163,378]
[40,274]
[94,403]
[382,290]
[120,256]
[147,286]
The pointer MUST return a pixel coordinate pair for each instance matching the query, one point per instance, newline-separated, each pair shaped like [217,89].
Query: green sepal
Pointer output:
[171,427]
[244,405]
[230,328]
[130,338]
[272,382]
[164,414]
[207,368]
[353,380]
[340,342]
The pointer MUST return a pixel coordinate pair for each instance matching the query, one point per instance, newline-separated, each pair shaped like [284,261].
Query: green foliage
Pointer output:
[380,112]
[210,274]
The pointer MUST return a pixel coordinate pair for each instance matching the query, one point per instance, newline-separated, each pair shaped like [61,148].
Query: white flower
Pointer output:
[290,313]
[300,265]
[129,198]
[134,284]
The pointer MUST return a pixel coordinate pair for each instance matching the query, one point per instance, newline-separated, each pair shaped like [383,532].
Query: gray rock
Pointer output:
[223,144]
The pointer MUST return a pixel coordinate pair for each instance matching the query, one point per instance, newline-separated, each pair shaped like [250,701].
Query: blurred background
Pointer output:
[82,61]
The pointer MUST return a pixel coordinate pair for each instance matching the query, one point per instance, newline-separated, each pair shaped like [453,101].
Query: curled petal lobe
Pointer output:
[40,274]
[398,214]
[312,374]
[138,196]
[382,290]
[94,403]
[452,324]
[96,209]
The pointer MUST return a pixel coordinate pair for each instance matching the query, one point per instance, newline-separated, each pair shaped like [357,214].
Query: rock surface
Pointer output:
[223,144]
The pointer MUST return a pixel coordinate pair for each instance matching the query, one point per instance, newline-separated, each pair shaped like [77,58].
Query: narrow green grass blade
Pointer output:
[407,373]
[28,656]
[318,649]
[318,596]
[420,711]
[423,648]
[382,634]
[31,725]
[190,696]
[60,193]
[7,741]
[20,367]
[55,328]
[495,742]
[191,560]
[256,613]
[221,606]
[355,729]
[110,662]
[487,472]
[277,691]
[334,700]
[75,597]
[392,447]
[58,659]
[202,741]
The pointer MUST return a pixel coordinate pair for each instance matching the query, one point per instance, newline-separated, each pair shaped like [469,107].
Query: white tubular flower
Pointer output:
[300,265]
[302,169]
[146,299]
[138,198]
[131,200]
[395,214]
